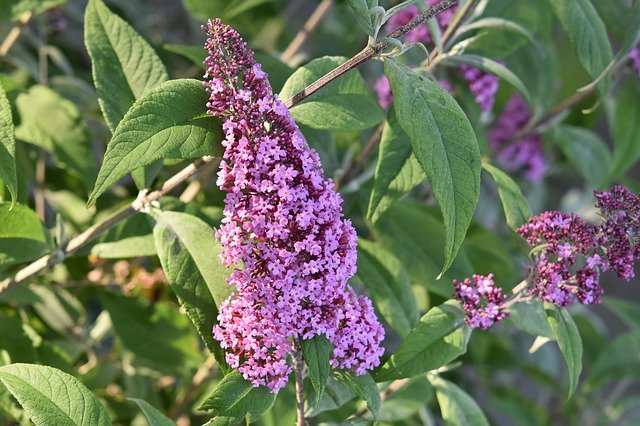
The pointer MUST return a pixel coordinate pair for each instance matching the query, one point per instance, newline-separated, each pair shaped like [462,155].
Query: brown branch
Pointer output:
[298,366]
[453,26]
[14,34]
[308,27]
[177,179]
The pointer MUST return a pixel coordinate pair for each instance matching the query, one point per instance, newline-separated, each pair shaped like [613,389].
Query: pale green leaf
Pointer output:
[152,414]
[23,237]
[516,208]
[456,406]
[585,151]
[566,334]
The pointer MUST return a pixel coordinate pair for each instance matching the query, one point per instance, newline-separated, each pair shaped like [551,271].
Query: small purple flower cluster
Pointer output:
[481,299]
[483,86]
[619,232]
[421,33]
[569,256]
[283,224]
[634,55]
[524,153]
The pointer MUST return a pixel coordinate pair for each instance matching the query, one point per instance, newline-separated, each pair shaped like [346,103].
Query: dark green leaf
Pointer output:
[456,406]
[436,340]
[168,121]
[516,208]
[585,151]
[22,236]
[361,9]
[152,414]
[7,147]
[364,387]
[345,104]
[397,171]
[188,254]
[566,334]
[317,353]
[389,286]
[51,397]
[624,120]
[55,124]
[15,340]
[195,54]
[235,397]
[444,144]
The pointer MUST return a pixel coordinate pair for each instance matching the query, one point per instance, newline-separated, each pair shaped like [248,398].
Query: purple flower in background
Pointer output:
[282,231]
[483,86]
[634,55]
[524,153]
[481,300]
[421,33]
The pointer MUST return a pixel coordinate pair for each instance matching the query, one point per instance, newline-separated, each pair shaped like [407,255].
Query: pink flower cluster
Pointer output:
[524,153]
[282,231]
[482,301]
[634,55]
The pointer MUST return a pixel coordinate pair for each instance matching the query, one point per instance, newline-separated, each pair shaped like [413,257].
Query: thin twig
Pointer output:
[298,366]
[307,28]
[196,184]
[38,191]
[13,35]
[177,179]
[453,27]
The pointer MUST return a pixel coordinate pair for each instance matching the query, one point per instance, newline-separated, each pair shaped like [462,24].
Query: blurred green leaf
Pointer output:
[456,406]
[364,387]
[627,311]
[618,359]
[516,208]
[235,397]
[23,237]
[12,10]
[531,318]
[389,286]
[39,389]
[189,256]
[397,171]
[168,121]
[140,246]
[444,144]
[440,337]
[624,120]
[152,414]
[566,334]
[345,104]
[7,147]
[407,400]
[15,340]
[278,71]
[225,9]
[195,54]
[317,353]
[54,124]
[585,151]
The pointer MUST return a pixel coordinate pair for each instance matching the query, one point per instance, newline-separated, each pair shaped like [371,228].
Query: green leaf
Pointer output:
[158,335]
[12,10]
[531,318]
[345,104]
[125,248]
[587,33]
[7,147]
[168,121]
[624,120]
[444,144]
[456,406]
[617,360]
[516,208]
[361,9]
[493,23]
[55,124]
[628,312]
[23,237]
[195,54]
[317,353]
[15,339]
[436,340]
[225,9]
[189,256]
[585,151]
[492,67]
[406,401]
[235,397]
[125,66]
[152,414]
[389,286]
[397,171]
[364,387]
[51,397]
[566,334]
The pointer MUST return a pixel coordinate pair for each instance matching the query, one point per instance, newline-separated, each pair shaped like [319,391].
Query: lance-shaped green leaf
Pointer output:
[585,151]
[189,256]
[235,397]
[456,406]
[444,144]
[346,104]
[439,337]
[624,120]
[152,414]
[23,237]
[361,10]
[587,33]
[51,397]
[168,121]
[397,171]
[7,147]
[516,208]
[364,387]
[55,124]
[317,353]
[389,286]
[566,334]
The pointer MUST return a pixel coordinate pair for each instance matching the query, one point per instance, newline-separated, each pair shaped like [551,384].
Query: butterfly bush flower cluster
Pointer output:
[524,153]
[634,56]
[282,231]
[568,254]
[483,85]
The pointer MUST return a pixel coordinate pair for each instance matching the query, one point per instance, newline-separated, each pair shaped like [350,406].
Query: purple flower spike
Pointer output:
[283,231]
[481,299]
